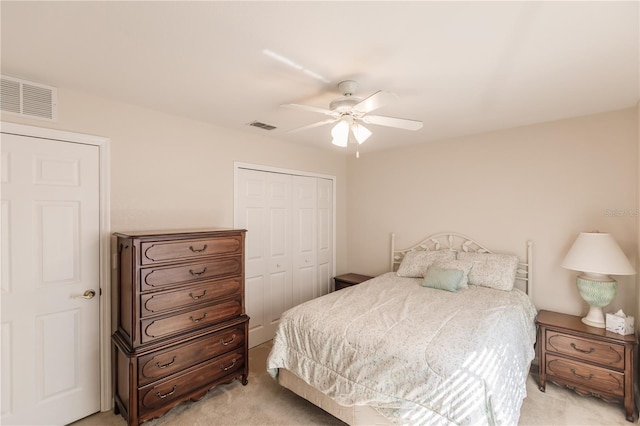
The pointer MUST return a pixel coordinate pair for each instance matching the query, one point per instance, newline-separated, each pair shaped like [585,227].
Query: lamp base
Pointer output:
[598,291]
[595,317]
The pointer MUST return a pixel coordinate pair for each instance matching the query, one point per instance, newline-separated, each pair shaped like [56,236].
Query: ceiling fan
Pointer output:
[349,112]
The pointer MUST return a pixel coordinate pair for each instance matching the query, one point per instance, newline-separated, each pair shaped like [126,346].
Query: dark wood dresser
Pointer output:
[589,360]
[181,323]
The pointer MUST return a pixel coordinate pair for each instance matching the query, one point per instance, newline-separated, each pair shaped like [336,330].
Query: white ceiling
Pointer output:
[461,67]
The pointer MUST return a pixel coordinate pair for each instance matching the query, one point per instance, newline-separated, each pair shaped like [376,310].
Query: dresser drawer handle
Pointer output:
[166,394]
[197,274]
[233,363]
[573,345]
[167,364]
[223,343]
[581,376]
[198,250]
[198,319]
[197,297]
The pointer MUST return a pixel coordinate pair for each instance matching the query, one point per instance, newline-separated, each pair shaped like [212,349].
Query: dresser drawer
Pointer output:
[157,328]
[607,354]
[166,362]
[161,394]
[155,303]
[154,252]
[157,278]
[589,376]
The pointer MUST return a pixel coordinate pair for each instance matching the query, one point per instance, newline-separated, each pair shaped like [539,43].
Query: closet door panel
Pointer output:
[289,245]
[278,249]
[252,215]
[304,237]
[325,236]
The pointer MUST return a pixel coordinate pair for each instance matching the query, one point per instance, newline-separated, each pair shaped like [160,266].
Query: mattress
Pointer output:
[414,355]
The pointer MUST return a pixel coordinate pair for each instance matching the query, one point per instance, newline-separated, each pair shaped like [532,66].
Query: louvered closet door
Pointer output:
[289,245]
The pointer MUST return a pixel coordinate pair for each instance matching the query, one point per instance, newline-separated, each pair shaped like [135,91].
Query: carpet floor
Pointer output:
[264,402]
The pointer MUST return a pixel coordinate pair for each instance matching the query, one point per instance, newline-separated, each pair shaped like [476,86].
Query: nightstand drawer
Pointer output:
[589,376]
[604,353]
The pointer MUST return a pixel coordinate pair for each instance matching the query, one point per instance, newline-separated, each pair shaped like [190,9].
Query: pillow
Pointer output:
[460,265]
[492,270]
[442,279]
[415,263]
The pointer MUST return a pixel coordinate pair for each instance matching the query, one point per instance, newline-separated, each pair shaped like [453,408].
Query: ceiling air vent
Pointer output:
[28,99]
[262,125]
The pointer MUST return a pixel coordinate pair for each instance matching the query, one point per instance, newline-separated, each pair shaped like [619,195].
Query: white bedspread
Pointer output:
[418,355]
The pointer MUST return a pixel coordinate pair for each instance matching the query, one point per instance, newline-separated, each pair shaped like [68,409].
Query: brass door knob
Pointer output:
[89,294]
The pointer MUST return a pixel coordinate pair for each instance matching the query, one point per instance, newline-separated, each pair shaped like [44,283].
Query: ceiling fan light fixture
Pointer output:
[340,134]
[349,111]
[360,132]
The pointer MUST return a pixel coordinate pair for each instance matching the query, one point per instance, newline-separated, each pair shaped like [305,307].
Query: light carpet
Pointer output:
[264,402]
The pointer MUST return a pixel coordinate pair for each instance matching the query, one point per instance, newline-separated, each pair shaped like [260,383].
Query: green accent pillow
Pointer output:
[442,279]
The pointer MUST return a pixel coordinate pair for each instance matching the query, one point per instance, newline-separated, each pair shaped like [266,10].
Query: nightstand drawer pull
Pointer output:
[573,345]
[197,274]
[591,376]
[223,343]
[197,297]
[167,364]
[198,250]
[198,319]
[162,396]
[233,364]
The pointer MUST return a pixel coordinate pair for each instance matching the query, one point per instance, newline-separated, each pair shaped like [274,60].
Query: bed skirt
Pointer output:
[354,415]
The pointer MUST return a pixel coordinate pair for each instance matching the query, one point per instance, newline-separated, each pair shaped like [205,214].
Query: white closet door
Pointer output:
[325,236]
[289,244]
[264,208]
[305,232]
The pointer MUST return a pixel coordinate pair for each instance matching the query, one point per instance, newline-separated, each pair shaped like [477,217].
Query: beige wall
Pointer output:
[170,172]
[544,183]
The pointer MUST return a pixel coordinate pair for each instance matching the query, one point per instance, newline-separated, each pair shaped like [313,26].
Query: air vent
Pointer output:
[28,99]
[262,125]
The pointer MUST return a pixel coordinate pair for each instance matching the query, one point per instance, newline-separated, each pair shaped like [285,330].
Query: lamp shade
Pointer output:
[360,132]
[340,133]
[598,253]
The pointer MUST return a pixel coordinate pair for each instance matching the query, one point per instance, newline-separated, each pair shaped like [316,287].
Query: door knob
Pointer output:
[89,294]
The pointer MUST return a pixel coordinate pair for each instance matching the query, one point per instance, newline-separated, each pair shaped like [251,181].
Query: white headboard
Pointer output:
[458,242]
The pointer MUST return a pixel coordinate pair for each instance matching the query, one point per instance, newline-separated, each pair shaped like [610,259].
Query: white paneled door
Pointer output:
[324,244]
[289,246]
[50,281]
[264,208]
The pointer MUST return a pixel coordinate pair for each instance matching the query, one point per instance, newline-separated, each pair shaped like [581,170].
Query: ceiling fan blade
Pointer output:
[375,101]
[311,126]
[401,123]
[308,108]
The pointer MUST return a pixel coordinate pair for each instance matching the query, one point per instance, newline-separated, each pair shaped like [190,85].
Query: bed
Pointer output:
[446,337]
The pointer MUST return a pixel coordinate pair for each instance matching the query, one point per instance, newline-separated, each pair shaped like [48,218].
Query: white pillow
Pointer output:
[491,270]
[415,263]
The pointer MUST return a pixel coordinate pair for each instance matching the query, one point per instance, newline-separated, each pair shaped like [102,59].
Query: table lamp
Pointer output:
[597,255]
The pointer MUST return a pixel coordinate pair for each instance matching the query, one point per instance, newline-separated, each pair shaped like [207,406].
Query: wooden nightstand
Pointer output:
[347,280]
[589,360]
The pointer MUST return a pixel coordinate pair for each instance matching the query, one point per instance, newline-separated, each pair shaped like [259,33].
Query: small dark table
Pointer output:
[347,280]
